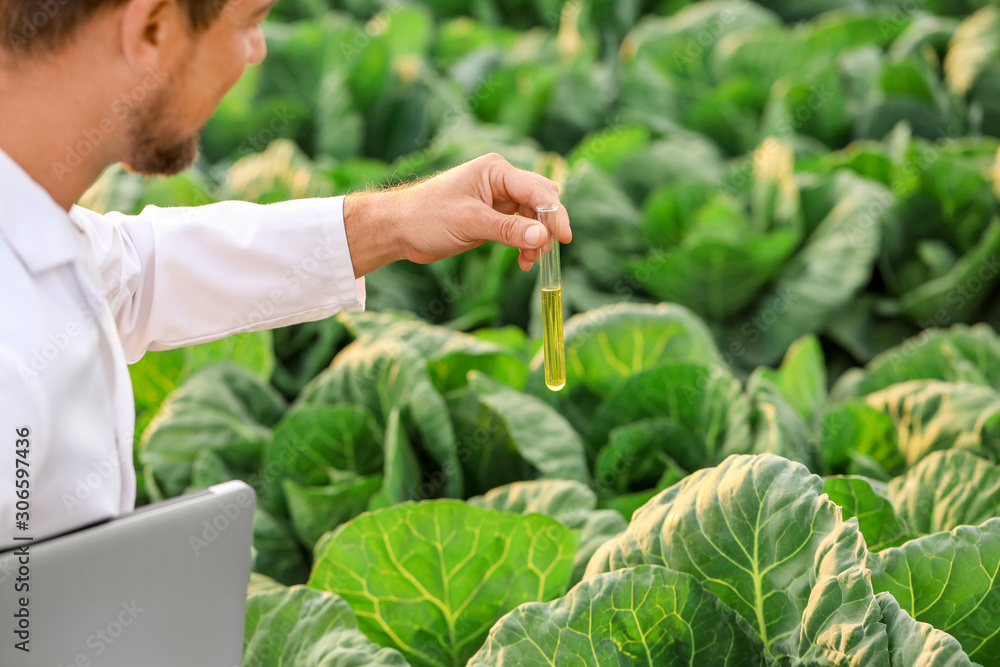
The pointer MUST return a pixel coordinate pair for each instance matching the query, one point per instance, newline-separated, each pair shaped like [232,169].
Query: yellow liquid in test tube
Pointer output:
[552,339]
[552,312]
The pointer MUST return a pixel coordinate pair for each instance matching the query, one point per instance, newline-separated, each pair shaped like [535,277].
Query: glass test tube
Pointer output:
[552,311]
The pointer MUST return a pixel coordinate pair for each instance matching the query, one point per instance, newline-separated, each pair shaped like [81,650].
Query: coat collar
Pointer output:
[39,231]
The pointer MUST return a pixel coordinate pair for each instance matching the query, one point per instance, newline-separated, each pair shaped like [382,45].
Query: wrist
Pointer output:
[372,228]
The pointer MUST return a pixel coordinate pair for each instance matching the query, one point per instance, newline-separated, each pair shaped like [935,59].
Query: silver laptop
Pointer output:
[163,586]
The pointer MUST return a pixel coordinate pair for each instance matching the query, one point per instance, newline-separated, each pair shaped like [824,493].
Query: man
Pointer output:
[88,83]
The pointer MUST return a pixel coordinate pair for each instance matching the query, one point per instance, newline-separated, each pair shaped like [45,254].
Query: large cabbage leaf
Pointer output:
[430,579]
[758,532]
[949,580]
[643,616]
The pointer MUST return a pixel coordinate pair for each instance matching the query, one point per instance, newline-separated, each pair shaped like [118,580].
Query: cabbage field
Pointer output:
[779,439]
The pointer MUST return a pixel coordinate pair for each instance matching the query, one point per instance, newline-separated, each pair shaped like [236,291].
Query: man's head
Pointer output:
[35,27]
[159,67]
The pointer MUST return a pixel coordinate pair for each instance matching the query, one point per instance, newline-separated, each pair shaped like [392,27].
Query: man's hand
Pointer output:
[455,211]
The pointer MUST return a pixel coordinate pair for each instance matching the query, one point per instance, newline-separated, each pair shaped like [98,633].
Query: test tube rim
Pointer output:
[547,208]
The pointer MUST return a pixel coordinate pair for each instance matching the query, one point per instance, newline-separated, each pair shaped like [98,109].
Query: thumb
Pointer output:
[516,231]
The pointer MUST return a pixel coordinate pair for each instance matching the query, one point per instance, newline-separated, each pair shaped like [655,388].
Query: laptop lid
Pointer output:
[163,586]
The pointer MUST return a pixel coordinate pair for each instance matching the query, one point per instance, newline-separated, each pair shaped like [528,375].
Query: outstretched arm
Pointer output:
[181,276]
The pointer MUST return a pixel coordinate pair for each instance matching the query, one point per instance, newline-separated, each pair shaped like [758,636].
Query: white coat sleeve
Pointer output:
[186,275]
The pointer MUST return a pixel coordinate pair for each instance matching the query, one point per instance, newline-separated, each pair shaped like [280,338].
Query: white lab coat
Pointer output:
[82,295]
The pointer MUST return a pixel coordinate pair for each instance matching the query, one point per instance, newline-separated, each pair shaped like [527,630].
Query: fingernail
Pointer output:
[532,234]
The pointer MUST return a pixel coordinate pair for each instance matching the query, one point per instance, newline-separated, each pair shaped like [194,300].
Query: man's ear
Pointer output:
[149,27]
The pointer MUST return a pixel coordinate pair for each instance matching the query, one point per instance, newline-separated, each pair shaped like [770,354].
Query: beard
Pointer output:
[156,155]
[158,148]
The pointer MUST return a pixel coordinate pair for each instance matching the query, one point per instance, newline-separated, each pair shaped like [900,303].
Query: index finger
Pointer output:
[528,190]
[565,234]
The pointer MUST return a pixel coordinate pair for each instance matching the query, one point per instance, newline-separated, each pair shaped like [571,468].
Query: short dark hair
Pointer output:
[37,26]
